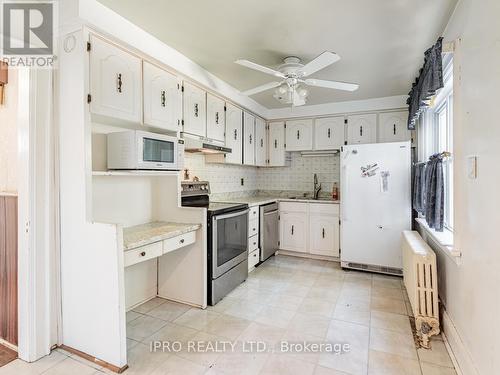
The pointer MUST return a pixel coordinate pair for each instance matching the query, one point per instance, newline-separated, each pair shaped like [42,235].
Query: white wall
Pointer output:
[8,136]
[469,287]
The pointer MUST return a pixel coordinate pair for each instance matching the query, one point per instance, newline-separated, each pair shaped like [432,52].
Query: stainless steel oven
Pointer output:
[229,241]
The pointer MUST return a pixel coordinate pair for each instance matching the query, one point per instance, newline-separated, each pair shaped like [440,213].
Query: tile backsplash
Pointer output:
[297,177]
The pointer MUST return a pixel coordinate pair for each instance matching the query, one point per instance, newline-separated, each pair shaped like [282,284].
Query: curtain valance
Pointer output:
[430,80]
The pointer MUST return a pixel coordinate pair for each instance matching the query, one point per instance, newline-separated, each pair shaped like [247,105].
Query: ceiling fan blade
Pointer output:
[332,84]
[320,62]
[260,68]
[264,87]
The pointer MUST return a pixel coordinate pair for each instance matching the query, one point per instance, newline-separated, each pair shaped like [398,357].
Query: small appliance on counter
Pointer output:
[136,149]
[227,239]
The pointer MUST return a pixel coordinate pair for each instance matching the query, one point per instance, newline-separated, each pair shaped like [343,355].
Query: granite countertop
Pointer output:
[258,200]
[144,234]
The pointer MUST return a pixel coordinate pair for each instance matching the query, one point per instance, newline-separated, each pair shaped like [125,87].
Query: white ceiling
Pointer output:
[381,42]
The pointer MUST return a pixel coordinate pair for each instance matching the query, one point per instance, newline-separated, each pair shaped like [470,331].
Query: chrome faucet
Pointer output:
[317,187]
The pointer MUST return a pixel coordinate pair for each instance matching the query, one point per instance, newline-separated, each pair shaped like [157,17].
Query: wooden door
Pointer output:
[115,82]
[329,133]
[260,143]
[234,129]
[248,139]
[216,118]
[276,147]
[299,135]
[162,98]
[362,129]
[8,269]
[194,107]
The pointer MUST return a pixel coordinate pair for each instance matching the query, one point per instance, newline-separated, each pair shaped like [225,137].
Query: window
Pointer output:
[436,133]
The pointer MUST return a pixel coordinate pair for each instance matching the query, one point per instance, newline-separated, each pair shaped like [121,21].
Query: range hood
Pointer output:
[195,144]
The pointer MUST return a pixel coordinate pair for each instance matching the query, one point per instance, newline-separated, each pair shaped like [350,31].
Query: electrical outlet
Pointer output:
[242,181]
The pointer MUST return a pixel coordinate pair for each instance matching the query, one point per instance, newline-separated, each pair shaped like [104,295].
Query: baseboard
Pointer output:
[8,345]
[307,255]
[459,353]
[90,358]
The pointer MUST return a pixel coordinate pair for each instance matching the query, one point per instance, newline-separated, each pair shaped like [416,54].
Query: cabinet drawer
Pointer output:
[293,207]
[324,208]
[253,227]
[254,213]
[253,243]
[143,253]
[177,242]
[253,259]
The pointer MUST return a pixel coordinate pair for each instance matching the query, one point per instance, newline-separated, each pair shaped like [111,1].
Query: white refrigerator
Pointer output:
[375,205]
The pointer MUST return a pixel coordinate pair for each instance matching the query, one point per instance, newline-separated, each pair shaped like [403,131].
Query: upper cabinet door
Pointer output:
[216,118]
[194,107]
[248,139]
[115,82]
[276,145]
[362,129]
[234,133]
[162,98]
[329,133]
[392,127]
[260,142]
[299,135]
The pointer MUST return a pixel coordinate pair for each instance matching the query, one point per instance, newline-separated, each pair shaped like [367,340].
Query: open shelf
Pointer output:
[135,173]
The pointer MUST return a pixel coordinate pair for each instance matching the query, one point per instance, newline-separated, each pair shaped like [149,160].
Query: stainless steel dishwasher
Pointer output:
[269,230]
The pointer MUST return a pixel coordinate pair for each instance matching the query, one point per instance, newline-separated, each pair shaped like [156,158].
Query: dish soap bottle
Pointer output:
[335,192]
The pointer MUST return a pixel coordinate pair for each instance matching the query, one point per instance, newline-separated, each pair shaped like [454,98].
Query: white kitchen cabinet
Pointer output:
[324,234]
[194,108]
[216,118]
[248,139]
[293,231]
[392,127]
[299,135]
[115,82]
[276,144]
[329,133]
[162,98]
[260,142]
[234,131]
[362,129]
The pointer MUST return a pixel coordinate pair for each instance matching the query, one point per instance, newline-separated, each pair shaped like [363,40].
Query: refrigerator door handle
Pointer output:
[345,187]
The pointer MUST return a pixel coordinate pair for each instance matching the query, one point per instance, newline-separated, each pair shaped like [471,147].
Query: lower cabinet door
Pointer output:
[293,227]
[324,235]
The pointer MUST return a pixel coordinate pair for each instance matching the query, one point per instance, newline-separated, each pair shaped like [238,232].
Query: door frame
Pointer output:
[39,312]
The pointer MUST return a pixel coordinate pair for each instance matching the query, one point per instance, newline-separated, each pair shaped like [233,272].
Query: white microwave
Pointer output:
[135,149]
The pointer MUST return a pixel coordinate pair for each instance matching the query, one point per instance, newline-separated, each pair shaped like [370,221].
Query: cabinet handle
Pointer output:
[119,82]
[196,110]
[235,134]
[163,98]
[143,253]
[275,143]
[217,118]
[298,134]
[181,240]
[292,230]
[255,243]
[261,142]
[394,129]
[329,132]
[323,232]
[250,138]
[361,130]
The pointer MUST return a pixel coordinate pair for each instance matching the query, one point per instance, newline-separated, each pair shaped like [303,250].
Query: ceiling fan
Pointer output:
[291,89]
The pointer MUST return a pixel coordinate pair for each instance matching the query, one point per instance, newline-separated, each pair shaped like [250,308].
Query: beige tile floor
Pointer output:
[286,299]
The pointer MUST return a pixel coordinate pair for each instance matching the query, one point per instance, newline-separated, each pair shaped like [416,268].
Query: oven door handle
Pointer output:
[232,214]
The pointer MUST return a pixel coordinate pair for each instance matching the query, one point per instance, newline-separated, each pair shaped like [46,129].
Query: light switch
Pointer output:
[472,167]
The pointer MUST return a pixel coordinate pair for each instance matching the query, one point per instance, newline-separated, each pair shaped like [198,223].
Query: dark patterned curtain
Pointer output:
[430,80]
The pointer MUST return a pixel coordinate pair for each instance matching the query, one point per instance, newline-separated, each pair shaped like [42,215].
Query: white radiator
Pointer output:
[420,278]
